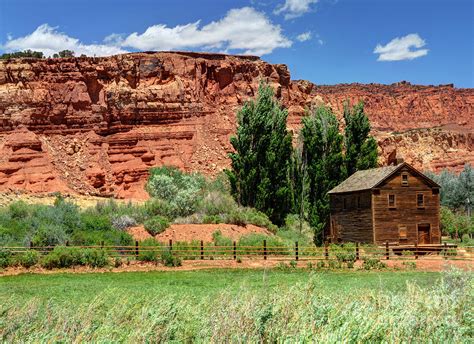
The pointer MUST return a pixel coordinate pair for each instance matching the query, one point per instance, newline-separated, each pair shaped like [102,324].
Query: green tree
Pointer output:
[26,53]
[447,222]
[457,191]
[323,148]
[66,53]
[259,174]
[361,148]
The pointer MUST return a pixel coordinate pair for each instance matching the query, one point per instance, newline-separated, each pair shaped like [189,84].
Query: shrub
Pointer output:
[95,222]
[168,259]
[95,258]
[293,264]
[409,265]
[50,234]
[29,258]
[156,225]
[148,255]
[118,262]
[239,260]
[220,240]
[112,238]
[207,219]
[18,210]
[373,263]
[5,258]
[123,222]
[216,203]
[61,257]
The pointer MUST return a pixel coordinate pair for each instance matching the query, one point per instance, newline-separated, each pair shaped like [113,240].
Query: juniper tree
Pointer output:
[360,147]
[323,148]
[261,161]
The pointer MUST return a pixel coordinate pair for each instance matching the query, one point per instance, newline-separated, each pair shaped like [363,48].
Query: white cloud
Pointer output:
[320,41]
[400,48]
[48,40]
[295,8]
[244,30]
[305,36]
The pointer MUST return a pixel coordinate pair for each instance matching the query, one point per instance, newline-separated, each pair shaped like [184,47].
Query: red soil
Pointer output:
[190,232]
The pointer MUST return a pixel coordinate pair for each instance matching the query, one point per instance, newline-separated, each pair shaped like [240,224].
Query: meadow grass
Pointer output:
[237,306]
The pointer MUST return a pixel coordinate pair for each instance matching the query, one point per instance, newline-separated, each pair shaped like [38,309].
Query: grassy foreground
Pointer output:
[237,305]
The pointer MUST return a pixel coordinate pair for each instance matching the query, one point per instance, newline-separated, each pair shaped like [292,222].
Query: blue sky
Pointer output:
[324,41]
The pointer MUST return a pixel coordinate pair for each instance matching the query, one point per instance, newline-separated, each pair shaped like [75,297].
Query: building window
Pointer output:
[420,200]
[402,233]
[391,201]
[404,179]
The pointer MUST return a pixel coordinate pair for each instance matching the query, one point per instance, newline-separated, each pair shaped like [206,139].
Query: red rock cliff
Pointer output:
[96,125]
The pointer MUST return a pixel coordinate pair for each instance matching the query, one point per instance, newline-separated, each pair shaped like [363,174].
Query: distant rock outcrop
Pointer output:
[96,125]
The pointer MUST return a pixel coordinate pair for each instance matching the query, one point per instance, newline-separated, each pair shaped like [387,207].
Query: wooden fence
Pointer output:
[203,251]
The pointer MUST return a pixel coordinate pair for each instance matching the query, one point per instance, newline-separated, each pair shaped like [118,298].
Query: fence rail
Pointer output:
[203,251]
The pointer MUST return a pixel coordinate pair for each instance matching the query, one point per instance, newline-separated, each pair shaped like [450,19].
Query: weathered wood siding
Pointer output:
[354,223]
[406,212]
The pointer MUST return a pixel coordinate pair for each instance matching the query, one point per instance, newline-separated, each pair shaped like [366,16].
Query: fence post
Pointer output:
[31,244]
[416,249]
[101,244]
[265,249]
[357,251]
[235,250]
[136,249]
[296,250]
[445,250]
[326,250]
[202,249]
[67,242]
[387,251]
[171,245]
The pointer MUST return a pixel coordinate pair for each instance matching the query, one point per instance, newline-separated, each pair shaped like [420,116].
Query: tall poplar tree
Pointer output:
[361,148]
[259,176]
[323,149]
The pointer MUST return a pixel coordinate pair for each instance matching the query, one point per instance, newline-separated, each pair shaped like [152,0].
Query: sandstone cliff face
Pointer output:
[96,125]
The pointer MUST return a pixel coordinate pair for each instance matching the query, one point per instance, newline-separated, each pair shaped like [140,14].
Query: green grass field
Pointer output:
[236,305]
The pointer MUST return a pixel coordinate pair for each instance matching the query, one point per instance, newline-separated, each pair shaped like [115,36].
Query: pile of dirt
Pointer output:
[190,232]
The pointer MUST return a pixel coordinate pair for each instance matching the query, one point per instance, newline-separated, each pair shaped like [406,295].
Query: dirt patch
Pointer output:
[190,232]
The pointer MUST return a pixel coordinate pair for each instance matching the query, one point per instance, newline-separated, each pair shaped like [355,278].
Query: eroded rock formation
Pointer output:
[96,125]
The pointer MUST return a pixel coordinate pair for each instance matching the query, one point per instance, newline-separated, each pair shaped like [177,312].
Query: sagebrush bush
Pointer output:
[373,263]
[61,257]
[5,258]
[123,222]
[95,258]
[168,259]
[156,225]
[29,258]
[66,257]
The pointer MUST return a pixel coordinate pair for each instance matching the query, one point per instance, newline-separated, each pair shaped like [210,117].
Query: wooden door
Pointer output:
[424,233]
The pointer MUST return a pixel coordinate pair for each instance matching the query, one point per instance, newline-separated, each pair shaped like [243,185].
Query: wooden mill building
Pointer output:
[394,203]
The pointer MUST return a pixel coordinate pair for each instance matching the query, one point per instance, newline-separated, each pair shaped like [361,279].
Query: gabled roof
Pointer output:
[369,179]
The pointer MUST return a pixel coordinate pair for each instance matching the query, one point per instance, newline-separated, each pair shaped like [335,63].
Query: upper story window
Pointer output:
[405,179]
[391,201]
[420,200]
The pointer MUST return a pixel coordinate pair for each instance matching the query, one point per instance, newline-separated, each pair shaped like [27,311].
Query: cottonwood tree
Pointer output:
[259,174]
[323,149]
[360,147]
